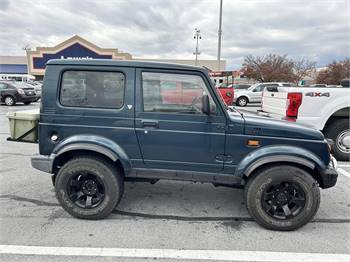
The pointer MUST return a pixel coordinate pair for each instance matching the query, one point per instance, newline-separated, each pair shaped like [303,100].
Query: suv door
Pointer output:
[172,130]
[256,93]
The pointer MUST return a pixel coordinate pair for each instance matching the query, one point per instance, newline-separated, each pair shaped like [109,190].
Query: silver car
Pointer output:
[254,93]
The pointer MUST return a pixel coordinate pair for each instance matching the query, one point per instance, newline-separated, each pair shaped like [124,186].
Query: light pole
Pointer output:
[219,35]
[197,36]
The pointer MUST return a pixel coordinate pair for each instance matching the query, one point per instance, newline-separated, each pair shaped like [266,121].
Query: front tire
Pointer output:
[242,101]
[89,187]
[9,101]
[26,103]
[339,132]
[282,197]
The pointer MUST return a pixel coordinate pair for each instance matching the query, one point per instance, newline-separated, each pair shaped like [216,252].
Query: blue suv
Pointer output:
[104,122]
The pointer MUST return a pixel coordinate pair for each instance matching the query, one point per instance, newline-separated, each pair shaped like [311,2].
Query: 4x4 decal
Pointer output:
[319,94]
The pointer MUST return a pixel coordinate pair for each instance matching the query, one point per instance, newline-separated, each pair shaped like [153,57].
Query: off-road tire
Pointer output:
[9,101]
[110,176]
[242,101]
[262,179]
[334,131]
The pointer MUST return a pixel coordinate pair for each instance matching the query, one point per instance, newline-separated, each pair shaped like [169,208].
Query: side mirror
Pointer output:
[205,105]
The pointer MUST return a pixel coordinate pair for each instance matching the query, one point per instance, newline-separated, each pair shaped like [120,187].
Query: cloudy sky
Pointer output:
[316,29]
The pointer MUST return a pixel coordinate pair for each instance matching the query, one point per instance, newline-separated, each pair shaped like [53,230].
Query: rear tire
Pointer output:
[89,187]
[9,101]
[338,131]
[242,101]
[282,197]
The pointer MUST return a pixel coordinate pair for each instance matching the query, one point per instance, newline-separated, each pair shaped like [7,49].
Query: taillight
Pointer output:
[294,102]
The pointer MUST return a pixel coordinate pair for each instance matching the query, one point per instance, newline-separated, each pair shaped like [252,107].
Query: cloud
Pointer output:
[315,29]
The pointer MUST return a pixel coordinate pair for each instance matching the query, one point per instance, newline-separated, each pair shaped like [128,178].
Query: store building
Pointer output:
[77,47]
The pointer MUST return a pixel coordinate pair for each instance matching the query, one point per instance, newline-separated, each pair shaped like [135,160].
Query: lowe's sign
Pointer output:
[75,51]
[75,47]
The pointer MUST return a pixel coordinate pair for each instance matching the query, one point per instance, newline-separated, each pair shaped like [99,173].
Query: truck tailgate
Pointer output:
[275,102]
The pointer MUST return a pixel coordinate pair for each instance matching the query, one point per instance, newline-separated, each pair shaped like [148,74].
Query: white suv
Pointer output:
[254,93]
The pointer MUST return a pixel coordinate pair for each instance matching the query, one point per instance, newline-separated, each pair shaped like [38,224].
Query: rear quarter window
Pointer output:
[94,89]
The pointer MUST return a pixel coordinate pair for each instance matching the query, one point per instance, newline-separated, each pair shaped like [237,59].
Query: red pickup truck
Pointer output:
[179,92]
[227,93]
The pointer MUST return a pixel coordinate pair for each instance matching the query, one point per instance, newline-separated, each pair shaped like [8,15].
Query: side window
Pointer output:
[259,88]
[2,86]
[92,89]
[185,96]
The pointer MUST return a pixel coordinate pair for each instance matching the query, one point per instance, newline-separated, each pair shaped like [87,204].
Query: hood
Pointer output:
[265,126]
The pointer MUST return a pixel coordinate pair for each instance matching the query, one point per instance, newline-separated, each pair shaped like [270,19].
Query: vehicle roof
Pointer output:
[123,63]
[15,83]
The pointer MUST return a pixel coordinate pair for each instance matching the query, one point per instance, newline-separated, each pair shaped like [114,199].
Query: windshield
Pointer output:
[253,86]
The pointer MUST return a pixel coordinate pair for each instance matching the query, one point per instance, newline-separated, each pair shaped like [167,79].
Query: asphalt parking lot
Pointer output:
[165,221]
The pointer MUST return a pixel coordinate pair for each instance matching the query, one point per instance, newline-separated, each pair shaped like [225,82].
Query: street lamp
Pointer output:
[197,36]
[219,35]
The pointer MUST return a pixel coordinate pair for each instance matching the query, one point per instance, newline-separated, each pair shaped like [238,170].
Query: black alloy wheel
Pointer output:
[282,197]
[86,190]
[89,187]
[283,200]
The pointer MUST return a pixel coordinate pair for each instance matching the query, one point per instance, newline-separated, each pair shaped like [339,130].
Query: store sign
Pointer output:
[70,57]
[74,51]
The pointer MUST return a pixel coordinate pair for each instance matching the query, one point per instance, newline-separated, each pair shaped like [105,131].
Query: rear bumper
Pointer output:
[43,163]
[329,175]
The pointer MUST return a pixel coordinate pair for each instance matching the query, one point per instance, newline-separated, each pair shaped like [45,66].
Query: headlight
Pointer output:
[20,91]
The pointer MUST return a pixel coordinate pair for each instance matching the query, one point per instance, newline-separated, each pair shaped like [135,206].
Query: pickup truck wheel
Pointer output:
[282,197]
[339,132]
[89,187]
[242,101]
[9,101]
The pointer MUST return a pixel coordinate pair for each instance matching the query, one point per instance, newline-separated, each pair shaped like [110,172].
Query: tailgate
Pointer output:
[275,101]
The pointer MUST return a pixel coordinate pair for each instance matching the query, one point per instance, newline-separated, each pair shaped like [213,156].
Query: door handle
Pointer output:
[147,123]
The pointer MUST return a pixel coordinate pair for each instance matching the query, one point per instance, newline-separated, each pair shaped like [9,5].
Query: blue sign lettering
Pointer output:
[75,51]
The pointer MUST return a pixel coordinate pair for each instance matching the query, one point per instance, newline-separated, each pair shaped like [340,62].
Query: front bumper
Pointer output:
[43,163]
[329,175]
[27,98]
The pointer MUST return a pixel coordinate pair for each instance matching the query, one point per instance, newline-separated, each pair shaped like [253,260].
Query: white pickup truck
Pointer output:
[323,108]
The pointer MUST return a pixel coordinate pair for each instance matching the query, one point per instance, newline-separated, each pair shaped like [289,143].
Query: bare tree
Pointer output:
[302,68]
[274,67]
[334,73]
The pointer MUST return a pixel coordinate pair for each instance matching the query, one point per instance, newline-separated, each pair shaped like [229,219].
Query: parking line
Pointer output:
[343,172]
[343,165]
[180,254]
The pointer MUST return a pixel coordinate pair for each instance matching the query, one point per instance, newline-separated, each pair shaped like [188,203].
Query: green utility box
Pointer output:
[24,125]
